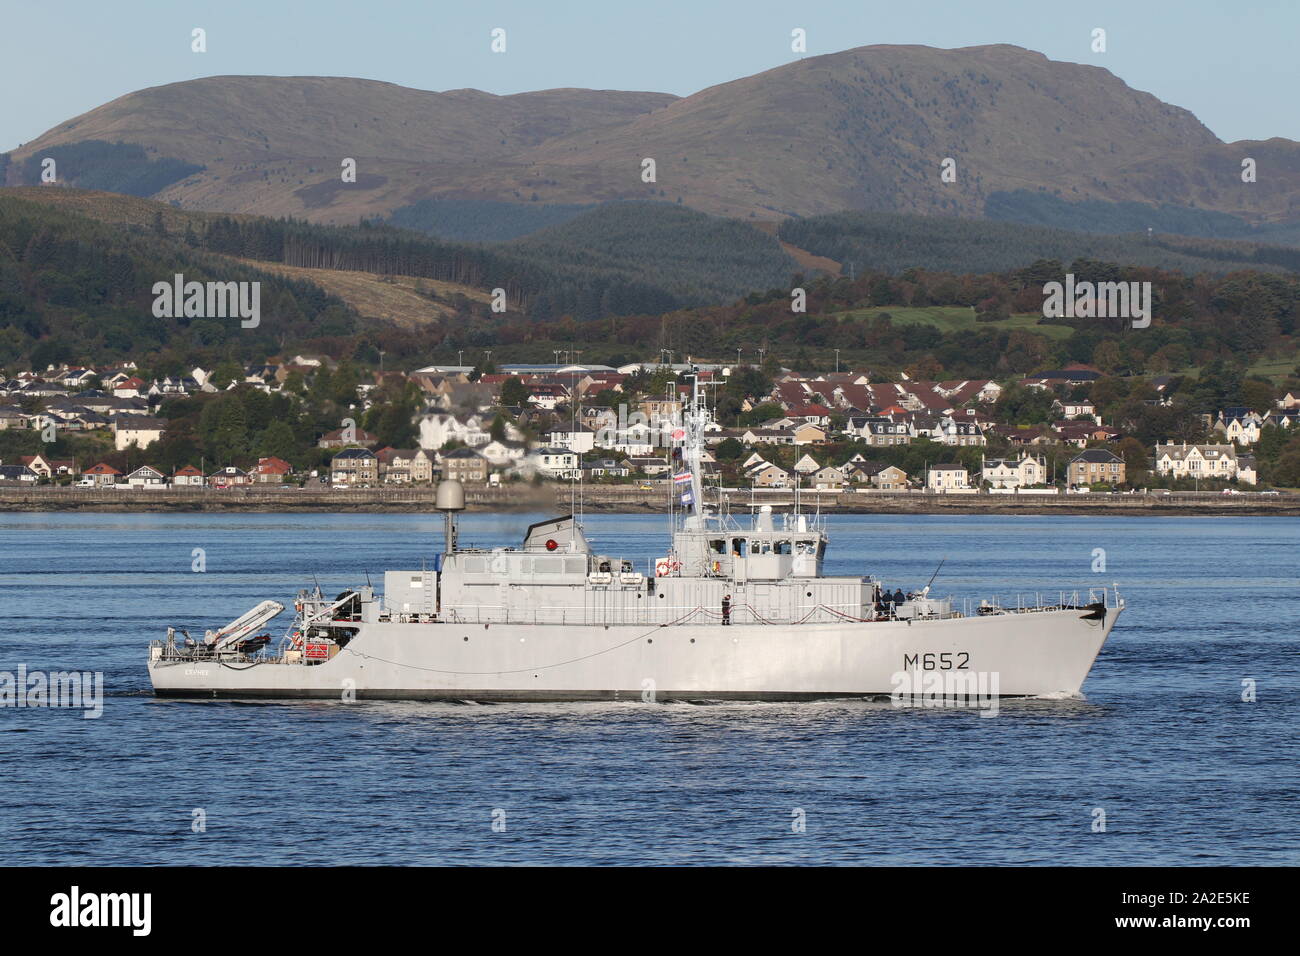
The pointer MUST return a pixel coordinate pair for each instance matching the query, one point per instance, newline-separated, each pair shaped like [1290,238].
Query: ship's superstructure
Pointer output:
[728,612]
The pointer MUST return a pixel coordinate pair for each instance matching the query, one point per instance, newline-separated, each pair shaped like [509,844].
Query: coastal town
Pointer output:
[1057,431]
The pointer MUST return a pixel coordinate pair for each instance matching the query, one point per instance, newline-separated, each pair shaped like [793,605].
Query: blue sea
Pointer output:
[1184,770]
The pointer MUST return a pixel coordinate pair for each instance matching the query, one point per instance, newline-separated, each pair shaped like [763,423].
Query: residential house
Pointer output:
[437,429]
[50,467]
[960,433]
[1197,461]
[347,437]
[768,436]
[769,476]
[407,466]
[271,471]
[634,441]
[881,432]
[1241,426]
[11,416]
[504,454]
[888,478]
[806,433]
[547,396]
[649,466]
[1071,408]
[10,473]
[1246,470]
[575,437]
[807,465]
[105,475]
[828,478]
[1022,472]
[465,465]
[133,387]
[944,478]
[354,466]
[1094,466]
[139,430]
[229,477]
[188,477]
[658,410]
[146,476]
[555,462]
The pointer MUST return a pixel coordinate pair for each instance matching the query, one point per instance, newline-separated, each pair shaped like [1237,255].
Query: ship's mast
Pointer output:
[697,416]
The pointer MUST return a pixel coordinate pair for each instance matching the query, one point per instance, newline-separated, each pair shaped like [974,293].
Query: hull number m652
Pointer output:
[937,661]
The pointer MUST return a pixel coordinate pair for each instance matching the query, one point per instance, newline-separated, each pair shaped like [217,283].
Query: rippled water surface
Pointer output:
[1184,770]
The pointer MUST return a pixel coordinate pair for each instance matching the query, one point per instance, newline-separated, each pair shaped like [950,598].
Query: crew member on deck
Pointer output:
[726,609]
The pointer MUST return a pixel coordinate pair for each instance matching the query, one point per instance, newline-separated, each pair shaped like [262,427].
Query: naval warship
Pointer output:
[730,612]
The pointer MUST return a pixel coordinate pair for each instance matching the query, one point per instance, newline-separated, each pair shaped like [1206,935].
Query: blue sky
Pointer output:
[1233,64]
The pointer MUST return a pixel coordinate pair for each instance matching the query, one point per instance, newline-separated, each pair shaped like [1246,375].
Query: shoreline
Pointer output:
[616,500]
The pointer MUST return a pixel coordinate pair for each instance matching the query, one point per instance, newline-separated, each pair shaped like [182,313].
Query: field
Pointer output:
[954,318]
[393,298]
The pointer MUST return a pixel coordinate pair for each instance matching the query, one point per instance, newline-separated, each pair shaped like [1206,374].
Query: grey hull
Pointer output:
[1030,654]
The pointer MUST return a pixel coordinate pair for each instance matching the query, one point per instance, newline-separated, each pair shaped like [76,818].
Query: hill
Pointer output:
[892,242]
[618,259]
[862,129]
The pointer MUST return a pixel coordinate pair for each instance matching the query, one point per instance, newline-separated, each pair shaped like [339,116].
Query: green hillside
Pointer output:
[959,319]
[894,242]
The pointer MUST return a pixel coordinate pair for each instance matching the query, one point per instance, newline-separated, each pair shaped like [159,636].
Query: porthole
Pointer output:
[466,638]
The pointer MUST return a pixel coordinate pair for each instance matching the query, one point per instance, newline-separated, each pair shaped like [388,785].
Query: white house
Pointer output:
[146,476]
[1014,473]
[1197,461]
[1239,425]
[140,430]
[554,462]
[807,465]
[947,478]
[438,429]
[575,437]
[502,454]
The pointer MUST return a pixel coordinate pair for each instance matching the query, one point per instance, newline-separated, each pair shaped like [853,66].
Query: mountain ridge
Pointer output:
[859,129]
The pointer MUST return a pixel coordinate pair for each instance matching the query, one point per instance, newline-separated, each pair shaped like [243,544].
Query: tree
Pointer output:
[277,441]
[227,371]
[729,449]
[513,392]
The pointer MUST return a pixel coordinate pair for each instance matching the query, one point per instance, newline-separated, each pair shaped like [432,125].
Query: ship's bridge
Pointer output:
[761,553]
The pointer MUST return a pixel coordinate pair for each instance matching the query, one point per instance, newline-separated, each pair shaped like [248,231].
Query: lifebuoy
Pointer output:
[717,566]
